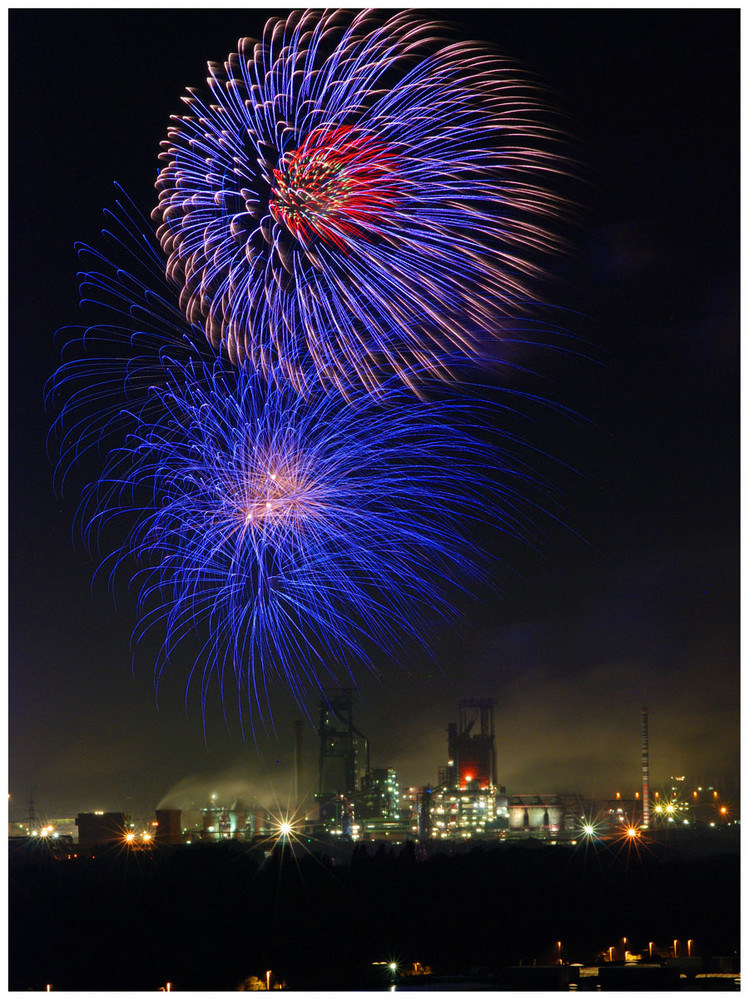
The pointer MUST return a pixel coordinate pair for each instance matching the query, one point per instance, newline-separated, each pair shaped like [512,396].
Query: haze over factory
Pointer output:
[353,800]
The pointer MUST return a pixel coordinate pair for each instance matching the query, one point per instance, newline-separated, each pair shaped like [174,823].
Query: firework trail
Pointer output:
[356,198]
[295,535]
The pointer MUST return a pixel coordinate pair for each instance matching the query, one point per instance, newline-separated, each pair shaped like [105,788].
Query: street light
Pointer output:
[267,979]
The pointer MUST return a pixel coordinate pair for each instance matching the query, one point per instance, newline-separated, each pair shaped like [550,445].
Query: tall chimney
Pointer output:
[298,728]
[645,770]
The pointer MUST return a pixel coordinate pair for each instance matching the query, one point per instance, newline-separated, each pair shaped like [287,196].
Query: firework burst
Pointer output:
[301,531]
[357,198]
[295,535]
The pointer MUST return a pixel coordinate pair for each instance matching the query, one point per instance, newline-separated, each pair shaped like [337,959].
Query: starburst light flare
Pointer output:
[355,197]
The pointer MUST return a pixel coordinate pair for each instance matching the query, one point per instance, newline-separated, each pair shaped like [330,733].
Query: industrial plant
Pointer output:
[356,802]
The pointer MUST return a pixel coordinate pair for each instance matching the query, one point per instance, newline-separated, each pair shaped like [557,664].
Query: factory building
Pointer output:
[460,813]
[100,829]
[537,814]
[344,751]
[472,758]
[169,827]
[378,797]
[343,762]
[466,803]
[377,810]
[235,821]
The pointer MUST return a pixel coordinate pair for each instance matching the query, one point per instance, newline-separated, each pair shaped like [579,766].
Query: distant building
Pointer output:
[342,747]
[377,808]
[470,744]
[343,763]
[55,827]
[379,796]
[101,828]
[467,803]
[539,814]
[169,826]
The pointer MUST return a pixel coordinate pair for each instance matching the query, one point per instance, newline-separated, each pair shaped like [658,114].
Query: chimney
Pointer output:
[645,770]
[298,729]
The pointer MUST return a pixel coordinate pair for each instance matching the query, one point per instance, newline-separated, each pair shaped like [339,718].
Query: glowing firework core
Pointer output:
[285,493]
[335,186]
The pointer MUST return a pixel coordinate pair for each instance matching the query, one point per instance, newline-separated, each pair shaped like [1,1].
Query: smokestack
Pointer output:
[298,727]
[645,770]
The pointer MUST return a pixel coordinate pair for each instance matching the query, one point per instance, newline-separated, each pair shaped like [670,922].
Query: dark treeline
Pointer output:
[206,917]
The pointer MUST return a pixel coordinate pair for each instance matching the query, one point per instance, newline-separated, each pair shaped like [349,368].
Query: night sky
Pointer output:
[634,602]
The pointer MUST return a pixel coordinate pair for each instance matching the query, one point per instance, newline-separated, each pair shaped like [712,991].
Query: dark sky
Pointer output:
[636,605]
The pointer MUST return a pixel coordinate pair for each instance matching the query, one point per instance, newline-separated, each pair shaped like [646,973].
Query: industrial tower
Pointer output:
[341,744]
[471,748]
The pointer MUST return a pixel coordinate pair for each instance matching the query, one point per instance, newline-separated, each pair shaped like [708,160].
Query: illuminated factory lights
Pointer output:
[465,805]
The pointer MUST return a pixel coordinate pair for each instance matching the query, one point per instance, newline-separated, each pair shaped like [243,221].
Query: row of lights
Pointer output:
[628,956]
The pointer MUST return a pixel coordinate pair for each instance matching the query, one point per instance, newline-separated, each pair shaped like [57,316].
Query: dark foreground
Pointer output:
[209,917]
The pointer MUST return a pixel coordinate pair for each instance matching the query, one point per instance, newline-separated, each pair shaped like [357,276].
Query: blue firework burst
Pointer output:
[356,197]
[294,534]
